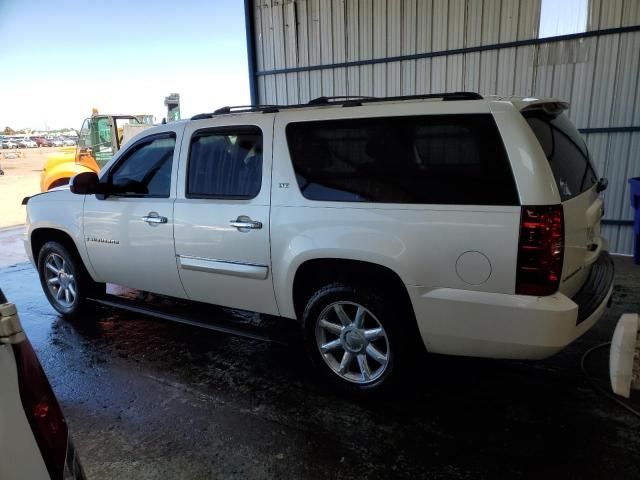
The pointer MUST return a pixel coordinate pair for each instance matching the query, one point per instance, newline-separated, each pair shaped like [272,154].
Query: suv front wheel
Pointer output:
[353,336]
[65,281]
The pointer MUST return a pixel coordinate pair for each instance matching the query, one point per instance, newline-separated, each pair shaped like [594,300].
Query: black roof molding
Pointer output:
[364,99]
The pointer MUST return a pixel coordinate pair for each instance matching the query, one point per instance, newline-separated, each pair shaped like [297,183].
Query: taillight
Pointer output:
[540,250]
[42,410]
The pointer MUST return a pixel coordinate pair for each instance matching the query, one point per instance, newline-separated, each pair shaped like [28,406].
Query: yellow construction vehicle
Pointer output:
[101,136]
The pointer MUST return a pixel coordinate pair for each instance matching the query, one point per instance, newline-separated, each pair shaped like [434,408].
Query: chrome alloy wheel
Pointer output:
[60,280]
[352,342]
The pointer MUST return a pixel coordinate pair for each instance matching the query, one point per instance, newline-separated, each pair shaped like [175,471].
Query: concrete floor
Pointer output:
[151,399]
[11,246]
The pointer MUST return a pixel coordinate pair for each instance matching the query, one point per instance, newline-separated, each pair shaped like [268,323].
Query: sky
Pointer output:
[59,59]
[563,17]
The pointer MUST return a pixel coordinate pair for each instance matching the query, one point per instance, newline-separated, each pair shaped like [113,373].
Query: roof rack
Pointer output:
[238,109]
[342,100]
[356,99]
[327,100]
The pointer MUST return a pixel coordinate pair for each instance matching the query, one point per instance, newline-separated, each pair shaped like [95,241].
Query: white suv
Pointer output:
[472,223]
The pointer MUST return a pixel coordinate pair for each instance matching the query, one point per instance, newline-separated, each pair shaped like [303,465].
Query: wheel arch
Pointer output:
[313,273]
[79,288]
[42,235]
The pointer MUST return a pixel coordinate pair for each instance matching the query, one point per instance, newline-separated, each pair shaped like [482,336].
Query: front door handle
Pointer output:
[153,218]
[244,223]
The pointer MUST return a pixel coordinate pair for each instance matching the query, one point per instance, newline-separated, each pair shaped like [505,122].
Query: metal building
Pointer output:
[303,49]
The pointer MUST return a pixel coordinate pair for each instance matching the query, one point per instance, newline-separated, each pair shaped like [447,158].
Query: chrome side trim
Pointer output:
[209,265]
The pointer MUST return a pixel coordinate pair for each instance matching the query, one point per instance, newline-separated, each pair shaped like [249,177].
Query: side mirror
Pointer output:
[85,183]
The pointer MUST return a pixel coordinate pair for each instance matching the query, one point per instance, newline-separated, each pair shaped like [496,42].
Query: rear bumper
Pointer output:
[596,287]
[482,324]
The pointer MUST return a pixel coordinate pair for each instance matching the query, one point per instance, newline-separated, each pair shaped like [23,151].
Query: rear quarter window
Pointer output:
[566,152]
[436,159]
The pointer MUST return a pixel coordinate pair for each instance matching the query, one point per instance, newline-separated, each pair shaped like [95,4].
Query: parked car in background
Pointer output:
[34,438]
[27,142]
[69,142]
[42,142]
[57,142]
[456,223]
[8,144]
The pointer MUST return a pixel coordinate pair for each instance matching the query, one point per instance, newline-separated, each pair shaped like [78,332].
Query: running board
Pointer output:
[279,336]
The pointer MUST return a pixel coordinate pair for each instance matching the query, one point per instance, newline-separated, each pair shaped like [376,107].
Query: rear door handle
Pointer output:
[153,218]
[244,223]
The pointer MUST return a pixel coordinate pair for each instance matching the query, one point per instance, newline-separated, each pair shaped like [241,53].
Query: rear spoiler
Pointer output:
[550,108]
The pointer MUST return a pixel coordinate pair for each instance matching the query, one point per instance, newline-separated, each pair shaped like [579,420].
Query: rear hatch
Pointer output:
[579,189]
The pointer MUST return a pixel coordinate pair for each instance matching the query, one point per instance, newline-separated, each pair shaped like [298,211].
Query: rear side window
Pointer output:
[225,163]
[436,159]
[566,151]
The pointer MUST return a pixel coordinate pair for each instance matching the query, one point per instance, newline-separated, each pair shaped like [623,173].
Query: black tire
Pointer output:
[72,277]
[348,298]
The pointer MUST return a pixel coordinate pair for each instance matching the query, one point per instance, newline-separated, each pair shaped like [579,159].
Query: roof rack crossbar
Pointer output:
[237,109]
[243,108]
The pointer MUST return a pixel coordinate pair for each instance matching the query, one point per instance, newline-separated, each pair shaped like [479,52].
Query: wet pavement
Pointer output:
[146,398]
[11,246]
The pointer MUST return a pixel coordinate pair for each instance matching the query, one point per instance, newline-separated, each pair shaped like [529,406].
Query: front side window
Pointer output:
[225,163]
[565,150]
[146,168]
[436,159]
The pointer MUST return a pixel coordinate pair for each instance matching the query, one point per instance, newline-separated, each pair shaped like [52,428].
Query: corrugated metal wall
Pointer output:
[598,74]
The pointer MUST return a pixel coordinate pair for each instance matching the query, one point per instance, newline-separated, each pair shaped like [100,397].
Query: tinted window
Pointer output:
[146,169]
[443,159]
[566,151]
[225,163]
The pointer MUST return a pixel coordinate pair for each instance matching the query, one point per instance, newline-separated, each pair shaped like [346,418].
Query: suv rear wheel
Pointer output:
[353,337]
[65,281]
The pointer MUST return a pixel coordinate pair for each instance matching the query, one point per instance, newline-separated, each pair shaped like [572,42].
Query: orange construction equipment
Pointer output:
[101,136]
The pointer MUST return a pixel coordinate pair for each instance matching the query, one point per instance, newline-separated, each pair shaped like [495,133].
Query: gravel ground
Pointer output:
[21,178]
[152,399]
